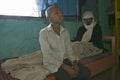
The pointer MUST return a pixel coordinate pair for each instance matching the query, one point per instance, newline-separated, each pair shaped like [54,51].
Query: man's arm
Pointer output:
[70,70]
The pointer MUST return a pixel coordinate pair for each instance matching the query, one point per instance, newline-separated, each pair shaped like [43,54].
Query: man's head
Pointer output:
[54,14]
[87,18]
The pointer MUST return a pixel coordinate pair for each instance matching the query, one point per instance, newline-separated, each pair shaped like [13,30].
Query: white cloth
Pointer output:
[28,67]
[87,35]
[55,48]
[85,49]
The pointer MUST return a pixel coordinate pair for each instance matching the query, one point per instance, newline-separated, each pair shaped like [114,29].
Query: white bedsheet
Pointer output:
[28,67]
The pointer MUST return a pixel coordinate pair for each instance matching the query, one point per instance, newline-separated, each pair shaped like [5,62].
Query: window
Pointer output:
[69,7]
[36,8]
[19,8]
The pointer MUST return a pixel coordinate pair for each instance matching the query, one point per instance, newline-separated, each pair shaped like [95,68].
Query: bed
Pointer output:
[96,64]
[104,61]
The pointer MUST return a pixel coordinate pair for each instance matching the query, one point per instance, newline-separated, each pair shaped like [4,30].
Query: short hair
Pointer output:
[47,11]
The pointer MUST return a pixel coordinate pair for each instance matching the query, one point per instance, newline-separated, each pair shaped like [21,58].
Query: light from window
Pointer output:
[19,8]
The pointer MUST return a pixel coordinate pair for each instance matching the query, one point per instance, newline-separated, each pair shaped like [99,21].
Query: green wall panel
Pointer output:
[20,36]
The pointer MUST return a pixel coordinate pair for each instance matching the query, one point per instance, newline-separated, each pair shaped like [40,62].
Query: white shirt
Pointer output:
[55,48]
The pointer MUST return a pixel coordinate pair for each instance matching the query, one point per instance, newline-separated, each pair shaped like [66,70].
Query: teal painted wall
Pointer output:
[20,36]
[103,17]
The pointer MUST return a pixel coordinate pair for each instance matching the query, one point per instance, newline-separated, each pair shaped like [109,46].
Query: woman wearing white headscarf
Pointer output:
[90,31]
[88,41]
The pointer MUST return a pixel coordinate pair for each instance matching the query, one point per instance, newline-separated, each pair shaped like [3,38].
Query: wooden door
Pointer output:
[117,25]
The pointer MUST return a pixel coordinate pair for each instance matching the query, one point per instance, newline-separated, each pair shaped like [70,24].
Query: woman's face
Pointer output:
[87,21]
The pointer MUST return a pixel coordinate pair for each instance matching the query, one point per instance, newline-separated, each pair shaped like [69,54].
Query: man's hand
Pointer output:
[76,67]
[70,70]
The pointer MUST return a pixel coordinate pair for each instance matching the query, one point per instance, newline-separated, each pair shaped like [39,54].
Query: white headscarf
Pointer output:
[87,35]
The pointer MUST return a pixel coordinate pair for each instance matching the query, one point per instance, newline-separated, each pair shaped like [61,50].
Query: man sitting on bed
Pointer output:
[58,56]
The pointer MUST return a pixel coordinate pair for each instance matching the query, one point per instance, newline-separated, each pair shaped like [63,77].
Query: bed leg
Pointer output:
[114,73]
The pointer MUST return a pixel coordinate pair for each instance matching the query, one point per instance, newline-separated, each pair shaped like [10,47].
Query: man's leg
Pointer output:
[84,73]
[62,75]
